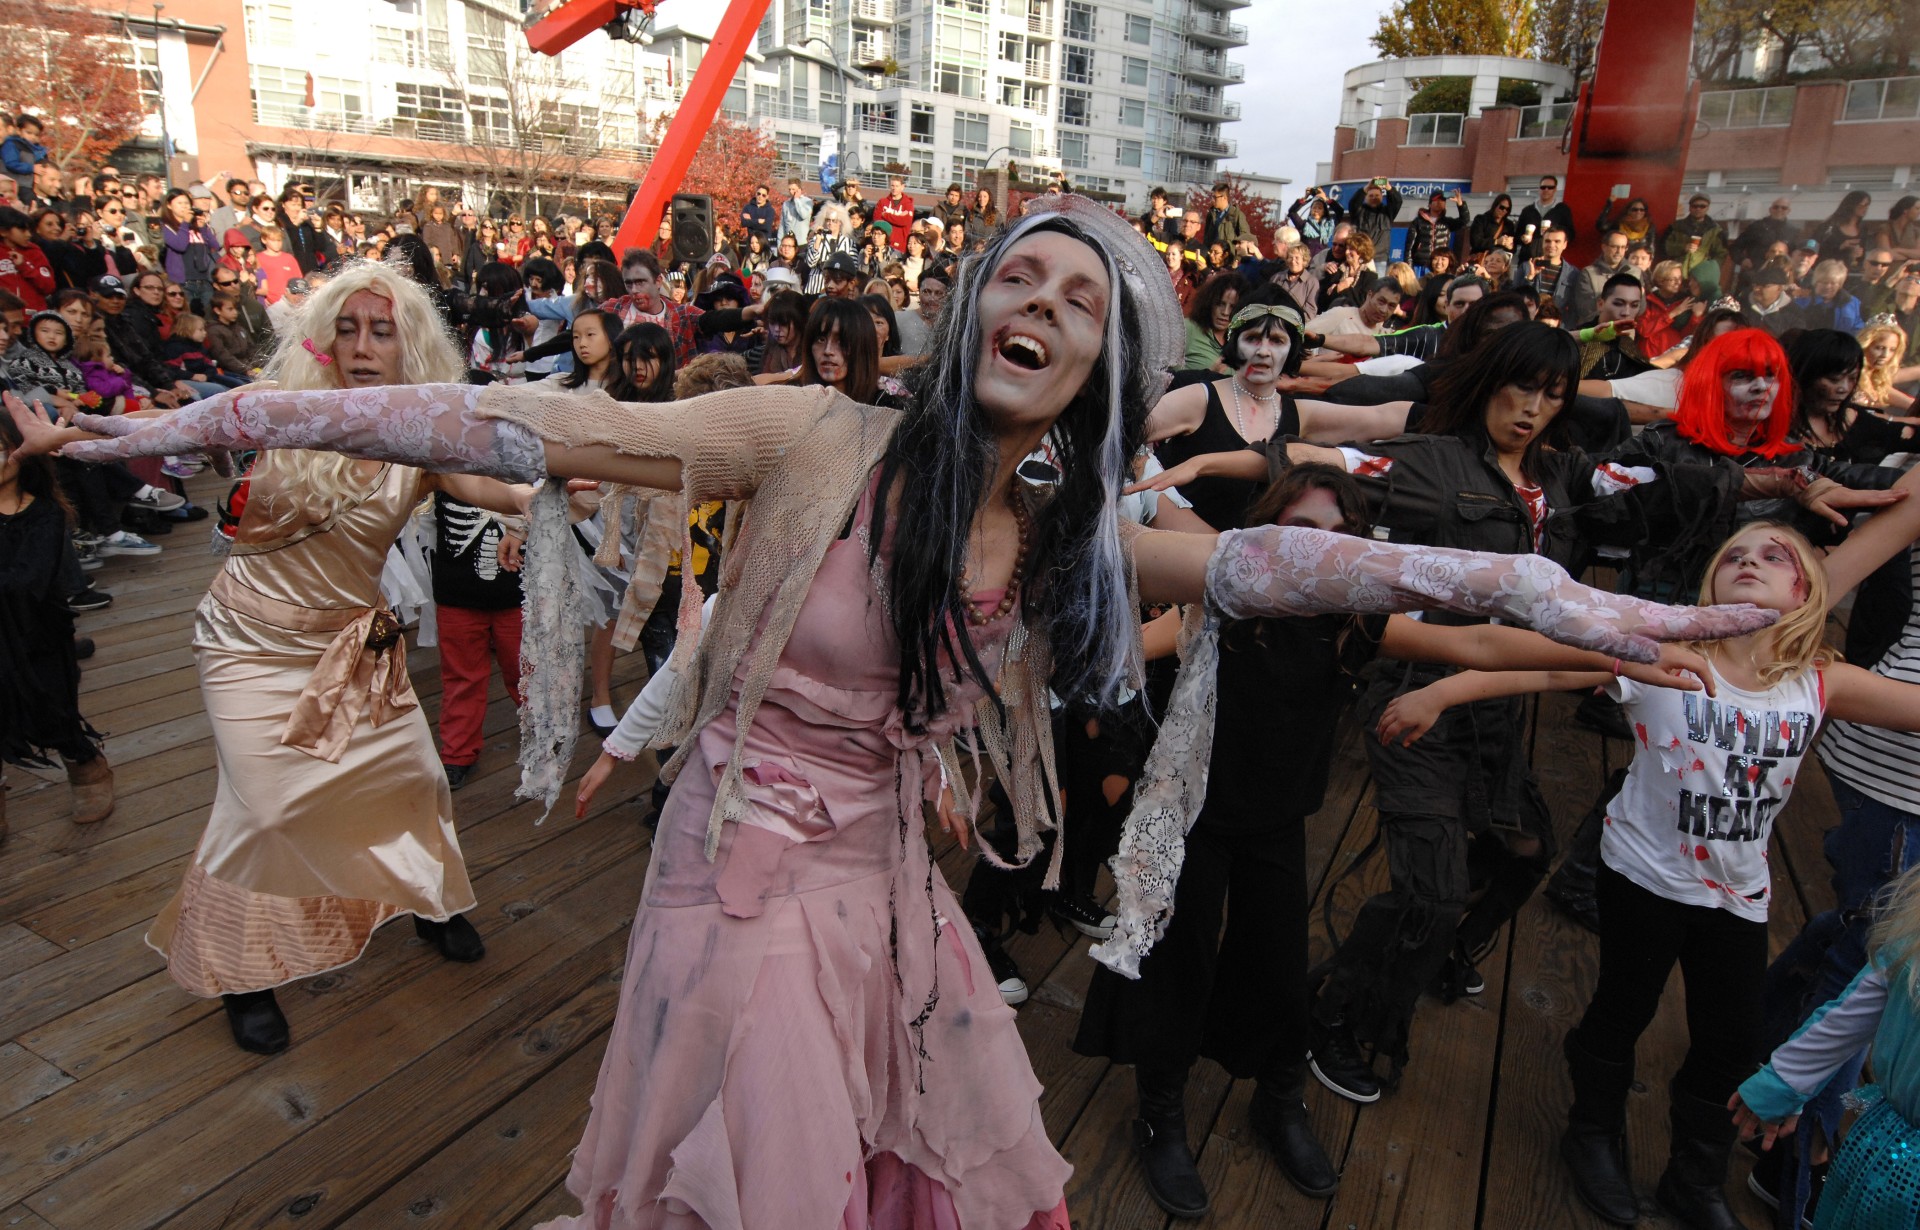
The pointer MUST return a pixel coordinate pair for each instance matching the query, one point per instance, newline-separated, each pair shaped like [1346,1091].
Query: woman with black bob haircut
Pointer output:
[1825,365]
[898,584]
[643,355]
[880,308]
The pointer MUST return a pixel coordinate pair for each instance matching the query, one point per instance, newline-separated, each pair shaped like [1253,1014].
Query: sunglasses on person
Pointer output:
[226,281]
[176,294]
[1873,264]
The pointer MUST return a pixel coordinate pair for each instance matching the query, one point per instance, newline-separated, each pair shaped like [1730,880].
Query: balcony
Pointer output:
[873,49]
[1039,25]
[786,111]
[1216,31]
[1208,145]
[1204,106]
[1213,68]
[873,12]
[1885,98]
[1038,70]
[1546,122]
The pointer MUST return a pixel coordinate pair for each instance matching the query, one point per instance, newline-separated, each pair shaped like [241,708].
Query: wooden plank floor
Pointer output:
[424,1094]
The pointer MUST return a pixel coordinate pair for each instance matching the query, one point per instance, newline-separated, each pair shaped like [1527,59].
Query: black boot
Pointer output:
[257,1022]
[1694,1187]
[1160,1138]
[1280,1120]
[455,938]
[1595,1145]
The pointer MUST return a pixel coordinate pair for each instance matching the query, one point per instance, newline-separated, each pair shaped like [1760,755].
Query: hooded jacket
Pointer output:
[27,366]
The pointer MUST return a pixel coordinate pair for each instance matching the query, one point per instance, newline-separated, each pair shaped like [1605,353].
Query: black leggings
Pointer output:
[1723,959]
[1239,998]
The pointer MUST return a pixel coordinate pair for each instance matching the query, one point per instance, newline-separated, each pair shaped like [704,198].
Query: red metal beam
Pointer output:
[1634,122]
[570,21]
[731,42]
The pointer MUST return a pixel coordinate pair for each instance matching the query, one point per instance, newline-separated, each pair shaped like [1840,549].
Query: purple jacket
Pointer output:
[191,252]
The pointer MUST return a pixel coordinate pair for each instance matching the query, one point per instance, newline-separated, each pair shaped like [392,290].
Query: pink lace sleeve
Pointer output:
[1273,570]
[431,426]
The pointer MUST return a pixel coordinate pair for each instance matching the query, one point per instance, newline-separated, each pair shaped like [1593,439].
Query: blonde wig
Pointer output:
[1895,939]
[1876,383]
[1799,639]
[312,485]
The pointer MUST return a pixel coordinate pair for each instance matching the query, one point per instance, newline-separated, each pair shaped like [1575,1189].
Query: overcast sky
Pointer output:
[1297,52]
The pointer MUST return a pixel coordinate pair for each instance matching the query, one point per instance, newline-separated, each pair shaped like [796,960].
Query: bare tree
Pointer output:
[532,131]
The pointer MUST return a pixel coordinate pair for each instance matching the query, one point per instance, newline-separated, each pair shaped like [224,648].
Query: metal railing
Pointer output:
[1548,120]
[873,10]
[1039,23]
[786,111]
[1219,27]
[1766,107]
[1199,65]
[1202,104]
[1038,70]
[884,124]
[1206,143]
[1438,128]
[1883,98]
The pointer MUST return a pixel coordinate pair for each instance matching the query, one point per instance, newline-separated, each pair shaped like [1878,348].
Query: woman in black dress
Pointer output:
[39,671]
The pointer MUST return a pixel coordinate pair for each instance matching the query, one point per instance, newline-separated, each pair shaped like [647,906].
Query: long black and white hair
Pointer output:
[943,457]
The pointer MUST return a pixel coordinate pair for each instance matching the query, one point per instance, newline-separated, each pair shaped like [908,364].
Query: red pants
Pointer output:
[467,639]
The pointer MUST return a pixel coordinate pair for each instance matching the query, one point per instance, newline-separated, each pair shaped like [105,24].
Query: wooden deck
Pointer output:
[420,1093]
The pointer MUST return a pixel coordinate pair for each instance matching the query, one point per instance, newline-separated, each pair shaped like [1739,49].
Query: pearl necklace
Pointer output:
[1011,593]
[1239,415]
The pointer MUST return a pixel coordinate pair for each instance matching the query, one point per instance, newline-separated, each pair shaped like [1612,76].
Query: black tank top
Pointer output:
[1221,502]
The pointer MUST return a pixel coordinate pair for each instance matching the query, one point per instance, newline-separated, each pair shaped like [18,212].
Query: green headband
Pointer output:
[1254,311]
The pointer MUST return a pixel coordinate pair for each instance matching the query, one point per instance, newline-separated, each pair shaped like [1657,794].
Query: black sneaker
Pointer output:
[457,775]
[1337,1063]
[1006,972]
[1083,914]
[82,647]
[90,599]
[1457,979]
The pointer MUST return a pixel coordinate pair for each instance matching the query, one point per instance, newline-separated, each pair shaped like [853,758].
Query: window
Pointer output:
[920,125]
[430,111]
[969,130]
[1013,48]
[883,157]
[1130,153]
[1010,92]
[1133,113]
[959,79]
[1435,129]
[1073,149]
[920,168]
[962,40]
[1034,98]
[1133,71]
[270,23]
[487,62]
[346,99]
[279,95]
[1079,21]
[1139,29]
[492,117]
[903,43]
[1076,107]
[967,170]
[971,6]
[796,151]
[1076,65]
[1020,139]
[877,117]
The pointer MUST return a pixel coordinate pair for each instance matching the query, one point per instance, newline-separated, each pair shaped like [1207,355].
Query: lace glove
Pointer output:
[431,426]
[1270,570]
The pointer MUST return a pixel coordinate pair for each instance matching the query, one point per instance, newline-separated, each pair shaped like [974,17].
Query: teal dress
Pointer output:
[1874,1183]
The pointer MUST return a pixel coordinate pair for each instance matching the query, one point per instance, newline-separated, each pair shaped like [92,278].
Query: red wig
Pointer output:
[1702,416]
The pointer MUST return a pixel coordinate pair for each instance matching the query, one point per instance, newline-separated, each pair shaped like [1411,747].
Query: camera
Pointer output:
[1174,211]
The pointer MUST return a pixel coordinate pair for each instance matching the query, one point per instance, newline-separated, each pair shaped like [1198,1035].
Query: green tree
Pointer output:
[1567,32]
[1456,27]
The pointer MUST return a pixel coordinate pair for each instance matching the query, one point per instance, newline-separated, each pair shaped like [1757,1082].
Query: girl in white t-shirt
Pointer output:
[1684,876]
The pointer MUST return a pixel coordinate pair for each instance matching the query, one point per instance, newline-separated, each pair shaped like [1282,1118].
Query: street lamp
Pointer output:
[848,164]
[160,88]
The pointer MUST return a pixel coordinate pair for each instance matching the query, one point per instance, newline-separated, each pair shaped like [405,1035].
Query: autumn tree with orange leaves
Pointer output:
[733,160]
[69,66]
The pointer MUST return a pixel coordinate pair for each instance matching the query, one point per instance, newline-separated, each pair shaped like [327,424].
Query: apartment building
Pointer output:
[379,96]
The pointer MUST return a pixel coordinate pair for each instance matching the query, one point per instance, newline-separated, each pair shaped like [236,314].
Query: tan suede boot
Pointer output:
[92,787]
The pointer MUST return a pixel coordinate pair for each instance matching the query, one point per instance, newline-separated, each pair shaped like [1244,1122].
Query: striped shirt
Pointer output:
[1883,764]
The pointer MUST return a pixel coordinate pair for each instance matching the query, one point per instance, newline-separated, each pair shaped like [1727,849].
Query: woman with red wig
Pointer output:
[1735,413]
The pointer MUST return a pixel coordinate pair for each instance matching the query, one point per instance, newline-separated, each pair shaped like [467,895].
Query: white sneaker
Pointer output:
[153,499]
[123,543]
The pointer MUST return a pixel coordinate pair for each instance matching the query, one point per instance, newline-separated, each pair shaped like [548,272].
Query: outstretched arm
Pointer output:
[1274,570]
[1876,541]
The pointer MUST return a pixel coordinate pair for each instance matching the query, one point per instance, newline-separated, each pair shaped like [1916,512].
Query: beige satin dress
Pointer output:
[332,813]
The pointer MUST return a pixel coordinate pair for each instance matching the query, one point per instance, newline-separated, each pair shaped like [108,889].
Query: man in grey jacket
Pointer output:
[1552,275]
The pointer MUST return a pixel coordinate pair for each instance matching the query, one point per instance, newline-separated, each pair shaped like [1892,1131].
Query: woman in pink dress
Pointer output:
[808,1034]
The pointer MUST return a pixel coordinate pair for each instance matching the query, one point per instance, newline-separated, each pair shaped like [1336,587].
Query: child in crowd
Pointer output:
[275,267]
[1684,877]
[39,363]
[1874,1176]
[117,392]
[476,596]
[227,338]
[186,353]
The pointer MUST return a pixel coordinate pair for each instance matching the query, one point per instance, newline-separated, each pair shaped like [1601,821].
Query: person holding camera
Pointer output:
[1372,211]
[189,248]
[1315,216]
